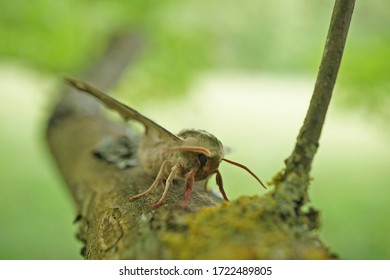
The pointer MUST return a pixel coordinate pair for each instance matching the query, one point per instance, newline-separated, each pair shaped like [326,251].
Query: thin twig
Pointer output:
[298,165]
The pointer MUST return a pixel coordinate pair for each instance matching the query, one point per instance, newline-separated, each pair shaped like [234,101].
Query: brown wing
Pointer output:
[125,111]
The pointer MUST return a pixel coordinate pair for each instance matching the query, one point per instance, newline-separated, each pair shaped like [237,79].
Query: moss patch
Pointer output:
[248,228]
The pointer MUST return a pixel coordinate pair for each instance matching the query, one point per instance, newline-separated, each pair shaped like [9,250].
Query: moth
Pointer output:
[192,155]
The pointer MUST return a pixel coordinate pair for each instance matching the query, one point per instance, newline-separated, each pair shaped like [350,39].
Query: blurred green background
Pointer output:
[241,70]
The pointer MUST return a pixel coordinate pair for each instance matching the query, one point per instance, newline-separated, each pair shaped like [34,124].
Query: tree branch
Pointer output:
[295,180]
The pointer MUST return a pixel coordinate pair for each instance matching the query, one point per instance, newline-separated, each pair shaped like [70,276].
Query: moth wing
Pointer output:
[125,111]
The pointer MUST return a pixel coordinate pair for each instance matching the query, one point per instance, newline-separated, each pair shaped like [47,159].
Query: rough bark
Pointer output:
[95,157]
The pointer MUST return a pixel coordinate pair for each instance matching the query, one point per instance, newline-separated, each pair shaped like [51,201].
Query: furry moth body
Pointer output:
[192,155]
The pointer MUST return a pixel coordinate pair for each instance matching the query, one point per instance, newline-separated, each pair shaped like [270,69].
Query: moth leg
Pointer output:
[189,186]
[157,181]
[219,181]
[168,184]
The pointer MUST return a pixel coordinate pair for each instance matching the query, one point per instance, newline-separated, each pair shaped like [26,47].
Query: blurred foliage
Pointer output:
[184,37]
[365,69]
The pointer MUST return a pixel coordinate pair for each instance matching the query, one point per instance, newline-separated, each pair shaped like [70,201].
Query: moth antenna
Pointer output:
[202,150]
[246,168]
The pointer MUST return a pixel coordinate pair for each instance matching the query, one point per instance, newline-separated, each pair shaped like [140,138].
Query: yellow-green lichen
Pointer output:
[247,228]
[277,178]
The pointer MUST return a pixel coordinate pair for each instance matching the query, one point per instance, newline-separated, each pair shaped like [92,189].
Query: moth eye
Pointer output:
[202,159]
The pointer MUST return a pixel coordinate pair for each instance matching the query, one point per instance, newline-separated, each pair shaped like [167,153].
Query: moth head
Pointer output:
[203,152]
[199,151]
